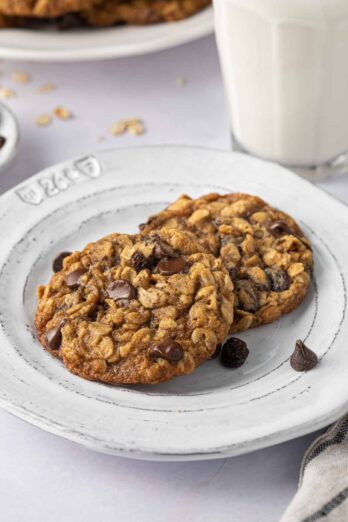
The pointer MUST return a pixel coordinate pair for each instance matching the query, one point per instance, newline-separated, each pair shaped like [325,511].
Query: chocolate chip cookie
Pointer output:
[140,12]
[266,253]
[135,309]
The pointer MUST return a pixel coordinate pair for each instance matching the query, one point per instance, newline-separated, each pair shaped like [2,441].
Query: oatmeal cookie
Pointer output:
[135,309]
[266,253]
[140,12]
[41,8]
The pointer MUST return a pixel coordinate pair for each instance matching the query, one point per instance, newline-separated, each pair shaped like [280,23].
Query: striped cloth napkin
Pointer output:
[323,489]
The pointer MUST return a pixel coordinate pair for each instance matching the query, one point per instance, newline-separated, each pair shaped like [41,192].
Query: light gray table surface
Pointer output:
[43,477]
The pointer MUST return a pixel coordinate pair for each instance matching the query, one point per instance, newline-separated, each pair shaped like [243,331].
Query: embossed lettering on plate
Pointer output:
[31,194]
[51,185]
[89,166]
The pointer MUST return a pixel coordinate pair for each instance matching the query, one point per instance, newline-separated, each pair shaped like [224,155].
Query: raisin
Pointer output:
[234,353]
[139,261]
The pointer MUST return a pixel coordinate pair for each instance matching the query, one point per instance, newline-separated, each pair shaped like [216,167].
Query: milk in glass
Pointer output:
[285,67]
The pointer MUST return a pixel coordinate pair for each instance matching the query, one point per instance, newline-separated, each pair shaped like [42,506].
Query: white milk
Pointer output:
[285,65]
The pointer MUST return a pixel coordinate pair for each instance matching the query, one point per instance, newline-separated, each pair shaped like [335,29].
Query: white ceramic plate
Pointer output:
[93,44]
[215,412]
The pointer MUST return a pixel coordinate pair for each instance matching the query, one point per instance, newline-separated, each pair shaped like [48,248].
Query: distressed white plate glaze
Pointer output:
[215,412]
[95,44]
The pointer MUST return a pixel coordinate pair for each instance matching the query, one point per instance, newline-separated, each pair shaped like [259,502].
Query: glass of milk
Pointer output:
[285,68]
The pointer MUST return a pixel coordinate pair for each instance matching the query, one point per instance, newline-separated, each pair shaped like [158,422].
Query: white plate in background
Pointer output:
[9,130]
[98,44]
[215,412]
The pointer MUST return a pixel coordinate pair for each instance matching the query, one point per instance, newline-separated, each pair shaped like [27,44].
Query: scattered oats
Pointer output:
[62,113]
[180,81]
[21,77]
[43,120]
[130,121]
[118,128]
[7,93]
[133,126]
[136,128]
[46,87]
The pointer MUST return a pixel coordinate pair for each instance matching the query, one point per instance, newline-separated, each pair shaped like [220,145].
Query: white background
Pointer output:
[44,478]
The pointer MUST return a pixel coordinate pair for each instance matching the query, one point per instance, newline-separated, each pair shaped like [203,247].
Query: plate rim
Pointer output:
[270,439]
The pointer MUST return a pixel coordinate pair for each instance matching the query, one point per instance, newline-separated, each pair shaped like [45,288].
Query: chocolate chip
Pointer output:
[303,359]
[234,353]
[278,278]
[248,299]
[121,289]
[54,336]
[279,228]
[169,350]
[2,141]
[139,261]
[162,249]
[57,264]
[171,266]
[217,351]
[72,280]
[248,214]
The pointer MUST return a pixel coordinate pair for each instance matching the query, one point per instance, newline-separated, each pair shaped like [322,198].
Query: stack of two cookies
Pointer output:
[148,307]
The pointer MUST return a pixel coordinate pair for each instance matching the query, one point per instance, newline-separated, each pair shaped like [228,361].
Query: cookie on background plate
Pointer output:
[136,309]
[140,12]
[43,8]
[69,14]
[266,253]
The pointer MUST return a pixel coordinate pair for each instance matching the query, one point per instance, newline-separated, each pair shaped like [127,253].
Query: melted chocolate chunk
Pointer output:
[57,264]
[121,289]
[279,228]
[54,336]
[303,359]
[234,353]
[248,214]
[278,278]
[171,266]
[73,279]
[162,249]
[169,350]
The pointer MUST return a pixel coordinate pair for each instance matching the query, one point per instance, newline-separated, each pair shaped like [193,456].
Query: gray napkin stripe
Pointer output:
[323,486]
[337,439]
[328,507]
